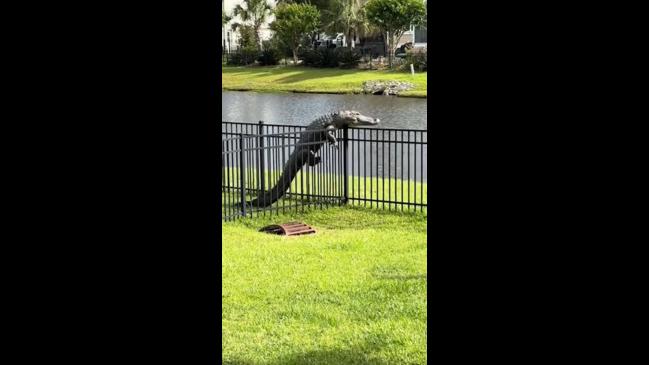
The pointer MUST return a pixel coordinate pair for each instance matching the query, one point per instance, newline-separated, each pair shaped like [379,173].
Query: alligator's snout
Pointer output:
[361,119]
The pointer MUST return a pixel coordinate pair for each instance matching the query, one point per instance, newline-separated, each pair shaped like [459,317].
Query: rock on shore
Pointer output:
[385,87]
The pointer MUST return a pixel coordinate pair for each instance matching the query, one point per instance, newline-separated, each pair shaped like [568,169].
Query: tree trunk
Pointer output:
[258,37]
[295,56]
[390,49]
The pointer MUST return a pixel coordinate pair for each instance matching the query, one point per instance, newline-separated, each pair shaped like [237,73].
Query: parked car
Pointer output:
[329,42]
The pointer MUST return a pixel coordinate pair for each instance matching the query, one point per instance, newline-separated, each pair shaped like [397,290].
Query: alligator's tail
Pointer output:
[294,164]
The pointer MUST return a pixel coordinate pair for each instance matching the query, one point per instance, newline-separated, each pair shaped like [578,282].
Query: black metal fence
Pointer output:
[373,167]
[370,55]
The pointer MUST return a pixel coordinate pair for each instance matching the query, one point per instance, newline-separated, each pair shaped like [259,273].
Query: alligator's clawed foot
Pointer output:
[314,160]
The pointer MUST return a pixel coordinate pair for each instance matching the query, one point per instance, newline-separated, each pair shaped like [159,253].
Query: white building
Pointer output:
[230,39]
[416,35]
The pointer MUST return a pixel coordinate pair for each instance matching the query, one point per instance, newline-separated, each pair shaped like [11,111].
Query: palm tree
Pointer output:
[256,13]
[348,17]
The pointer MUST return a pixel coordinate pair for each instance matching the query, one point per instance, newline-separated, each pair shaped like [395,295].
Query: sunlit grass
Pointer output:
[387,193]
[313,80]
[353,293]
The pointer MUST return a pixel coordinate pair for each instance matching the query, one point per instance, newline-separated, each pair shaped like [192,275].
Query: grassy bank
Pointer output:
[313,80]
[353,293]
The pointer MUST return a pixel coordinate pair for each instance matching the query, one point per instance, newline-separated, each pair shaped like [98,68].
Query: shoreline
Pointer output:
[298,79]
[340,92]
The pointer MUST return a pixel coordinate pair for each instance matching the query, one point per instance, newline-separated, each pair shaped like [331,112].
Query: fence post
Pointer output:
[242,175]
[262,160]
[345,169]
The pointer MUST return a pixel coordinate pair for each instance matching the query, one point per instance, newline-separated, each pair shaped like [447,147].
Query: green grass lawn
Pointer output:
[353,293]
[389,189]
[313,80]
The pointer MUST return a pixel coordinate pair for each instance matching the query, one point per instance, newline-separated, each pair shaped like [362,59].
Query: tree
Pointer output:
[325,8]
[246,36]
[394,17]
[225,18]
[292,22]
[255,13]
[347,16]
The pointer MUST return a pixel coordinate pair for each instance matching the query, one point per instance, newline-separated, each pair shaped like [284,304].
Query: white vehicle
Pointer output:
[325,41]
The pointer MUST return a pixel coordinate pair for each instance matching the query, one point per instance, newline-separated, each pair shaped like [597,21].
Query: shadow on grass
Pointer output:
[402,277]
[307,75]
[354,355]
[293,74]
[338,357]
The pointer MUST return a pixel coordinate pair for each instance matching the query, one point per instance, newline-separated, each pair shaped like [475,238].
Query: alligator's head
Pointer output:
[350,118]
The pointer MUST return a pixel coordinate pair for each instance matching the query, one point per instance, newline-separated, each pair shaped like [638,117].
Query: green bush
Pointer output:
[310,57]
[276,43]
[418,59]
[348,57]
[269,57]
[328,57]
[243,57]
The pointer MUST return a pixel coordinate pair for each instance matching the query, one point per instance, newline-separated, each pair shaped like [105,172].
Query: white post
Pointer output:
[412,69]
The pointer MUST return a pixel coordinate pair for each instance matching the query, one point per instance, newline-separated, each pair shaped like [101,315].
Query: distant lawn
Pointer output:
[353,293]
[313,80]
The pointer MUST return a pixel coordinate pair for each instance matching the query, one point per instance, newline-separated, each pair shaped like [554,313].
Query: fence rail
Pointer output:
[370,54]
[373,167]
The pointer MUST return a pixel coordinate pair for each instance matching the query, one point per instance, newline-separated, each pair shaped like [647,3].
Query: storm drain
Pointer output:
[288,229]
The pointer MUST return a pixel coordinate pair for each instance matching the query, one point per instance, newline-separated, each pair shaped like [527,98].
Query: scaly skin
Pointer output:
[320,131]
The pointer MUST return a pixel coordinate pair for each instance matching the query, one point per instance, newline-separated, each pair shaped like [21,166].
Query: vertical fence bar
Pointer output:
[415,168]
[421,151]
[283,161]
[370,153]
[262,160]
[242,175]
[345,169]
[383,166]
[401,140]
[390,160]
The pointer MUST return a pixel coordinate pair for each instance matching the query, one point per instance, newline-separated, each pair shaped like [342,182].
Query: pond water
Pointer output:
[301,109]
[369,157]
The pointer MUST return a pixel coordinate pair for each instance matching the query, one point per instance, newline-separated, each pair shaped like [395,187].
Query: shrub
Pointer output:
[269,56]
[348,57]
[418,59]
[310,57]
[328,57]
[276,43]
[243,57]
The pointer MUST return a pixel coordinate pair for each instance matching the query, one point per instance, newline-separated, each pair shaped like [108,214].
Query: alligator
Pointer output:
[317,133]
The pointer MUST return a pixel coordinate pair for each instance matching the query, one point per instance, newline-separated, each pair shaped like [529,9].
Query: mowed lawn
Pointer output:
[360,189]
[313,80]
[353,293]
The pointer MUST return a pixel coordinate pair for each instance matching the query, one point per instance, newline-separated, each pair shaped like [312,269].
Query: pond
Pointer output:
[370,159]
[301,109]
